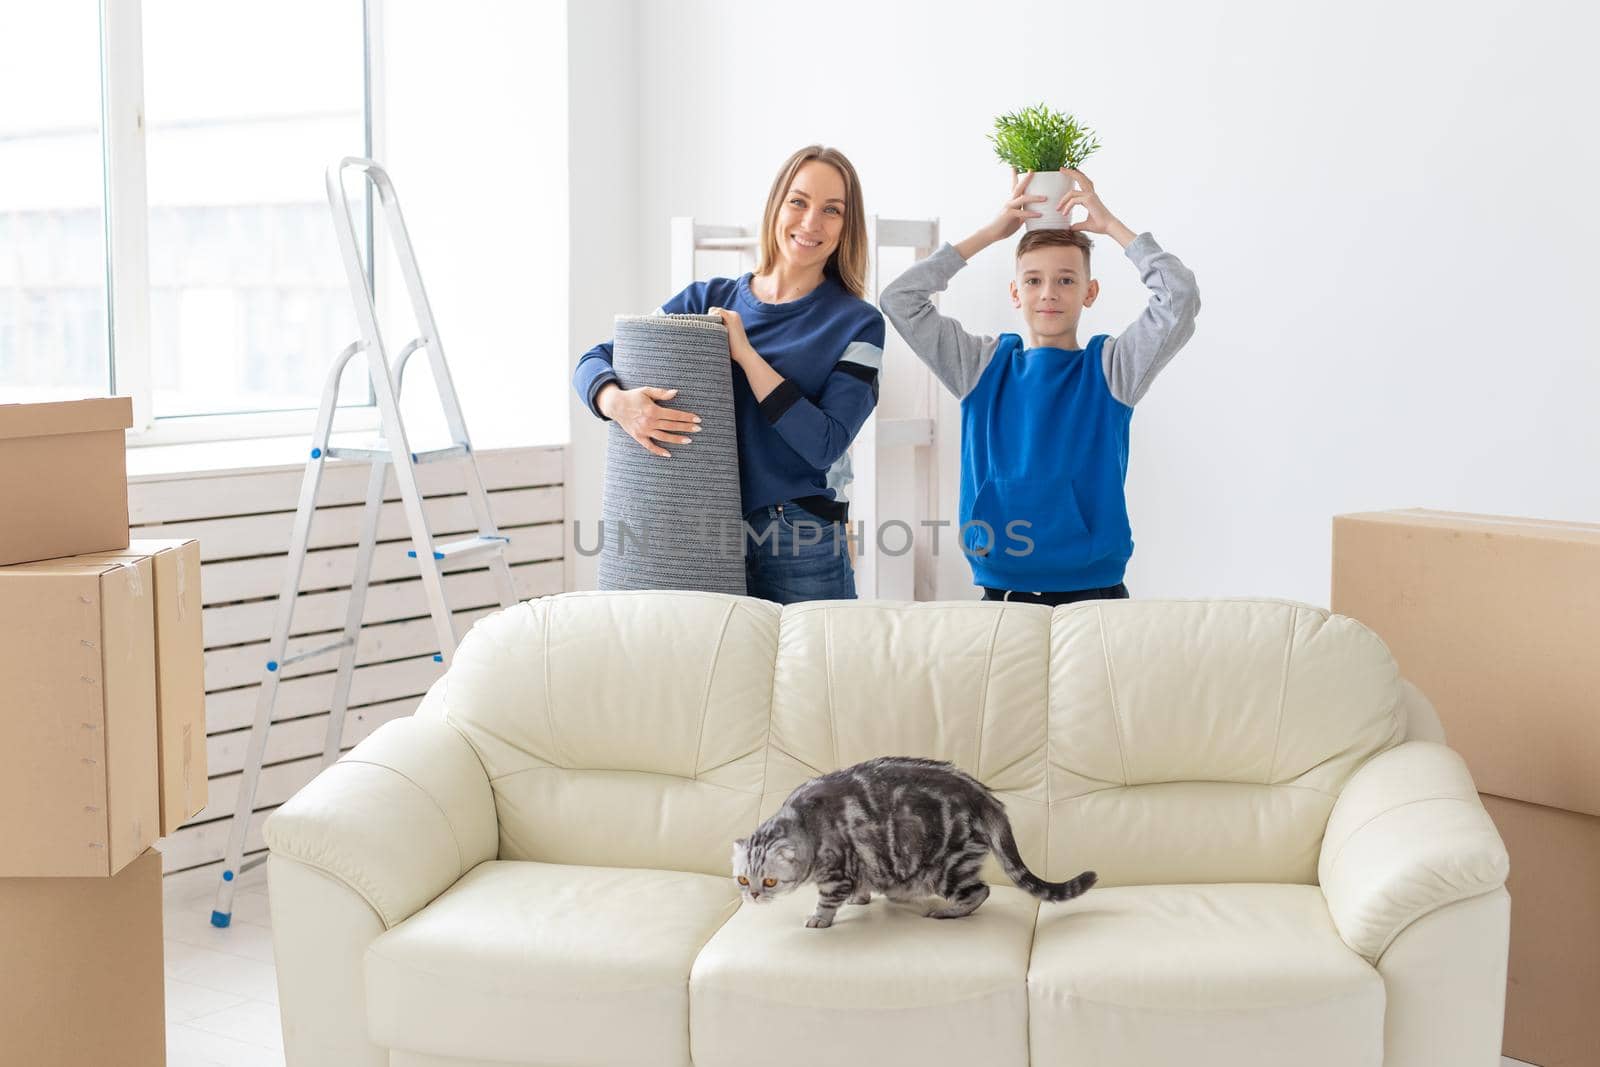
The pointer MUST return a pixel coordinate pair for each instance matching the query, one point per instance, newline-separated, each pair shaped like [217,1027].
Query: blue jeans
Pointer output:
[792,555]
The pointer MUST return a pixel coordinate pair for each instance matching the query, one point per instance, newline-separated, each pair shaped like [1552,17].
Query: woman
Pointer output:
[806,351]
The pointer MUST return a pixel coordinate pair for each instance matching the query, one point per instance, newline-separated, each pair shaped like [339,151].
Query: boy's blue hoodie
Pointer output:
[1044,431]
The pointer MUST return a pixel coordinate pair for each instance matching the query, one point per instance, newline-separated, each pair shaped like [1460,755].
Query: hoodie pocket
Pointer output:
[1025,516]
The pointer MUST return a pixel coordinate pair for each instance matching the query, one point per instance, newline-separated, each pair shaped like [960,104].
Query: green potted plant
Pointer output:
[1041,140]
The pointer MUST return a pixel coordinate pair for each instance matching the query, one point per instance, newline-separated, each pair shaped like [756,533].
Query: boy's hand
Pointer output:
[1017,210]
[1100,219]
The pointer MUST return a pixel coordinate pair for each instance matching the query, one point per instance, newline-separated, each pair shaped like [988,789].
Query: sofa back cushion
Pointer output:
[958,681]
[1155,742]
[1206,741]
[620,729]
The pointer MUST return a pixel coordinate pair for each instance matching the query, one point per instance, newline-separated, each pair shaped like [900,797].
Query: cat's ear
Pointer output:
[786,853]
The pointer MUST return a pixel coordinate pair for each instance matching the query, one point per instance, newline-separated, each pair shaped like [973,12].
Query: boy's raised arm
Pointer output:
[956,357]
[1134,357]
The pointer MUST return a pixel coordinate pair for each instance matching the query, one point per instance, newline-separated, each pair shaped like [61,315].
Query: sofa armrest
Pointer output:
[1406,837]
[1422,722]
[398,819]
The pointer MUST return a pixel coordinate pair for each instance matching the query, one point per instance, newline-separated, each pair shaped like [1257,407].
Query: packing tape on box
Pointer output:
[135,583]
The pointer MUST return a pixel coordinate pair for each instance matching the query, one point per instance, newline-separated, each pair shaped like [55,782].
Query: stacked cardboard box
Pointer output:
[1497,620]
[102,739]
[63,478]
[82,978]
[180,674]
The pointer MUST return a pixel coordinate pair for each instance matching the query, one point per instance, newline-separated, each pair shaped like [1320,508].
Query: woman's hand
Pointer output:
[738,344]
[637,411]
[757,371]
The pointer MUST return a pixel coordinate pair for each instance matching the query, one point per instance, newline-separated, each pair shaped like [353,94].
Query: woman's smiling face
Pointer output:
[812,216]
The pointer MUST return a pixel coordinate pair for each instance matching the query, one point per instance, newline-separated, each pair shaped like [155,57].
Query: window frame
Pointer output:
[127,215]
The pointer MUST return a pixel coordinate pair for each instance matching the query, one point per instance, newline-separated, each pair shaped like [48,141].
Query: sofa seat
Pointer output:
[884,984]
[544,963]
[1202,975]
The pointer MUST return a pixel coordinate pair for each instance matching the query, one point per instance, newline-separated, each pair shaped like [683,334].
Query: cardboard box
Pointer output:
[78,778]
[1553,978]
[63,478]
[82,979]
[1497,620]
[180,676]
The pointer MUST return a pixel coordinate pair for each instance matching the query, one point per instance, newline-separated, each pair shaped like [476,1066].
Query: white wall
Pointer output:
[474,133]
[1389,208]
[605,225]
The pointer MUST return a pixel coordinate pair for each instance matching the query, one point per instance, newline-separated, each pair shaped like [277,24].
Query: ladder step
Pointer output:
[381,453]
[439,454]
[377,452]
[470,546]
[277,664]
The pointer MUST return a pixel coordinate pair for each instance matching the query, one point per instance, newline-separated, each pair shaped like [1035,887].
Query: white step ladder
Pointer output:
[392,451]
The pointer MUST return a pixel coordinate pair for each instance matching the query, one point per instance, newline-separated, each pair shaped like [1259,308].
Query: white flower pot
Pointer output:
[1055,185]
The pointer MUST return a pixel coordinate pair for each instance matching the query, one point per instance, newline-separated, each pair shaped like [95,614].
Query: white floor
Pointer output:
[222,993]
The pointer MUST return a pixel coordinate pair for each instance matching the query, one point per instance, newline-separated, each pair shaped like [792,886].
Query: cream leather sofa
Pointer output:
[533,869]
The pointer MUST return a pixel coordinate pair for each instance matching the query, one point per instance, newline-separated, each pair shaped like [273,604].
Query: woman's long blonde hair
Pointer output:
[849,261]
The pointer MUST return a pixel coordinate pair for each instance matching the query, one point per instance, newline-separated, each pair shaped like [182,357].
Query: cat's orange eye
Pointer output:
[769,882]
[743,880]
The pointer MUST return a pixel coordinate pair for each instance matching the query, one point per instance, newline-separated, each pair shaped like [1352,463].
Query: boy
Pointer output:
[1044,425]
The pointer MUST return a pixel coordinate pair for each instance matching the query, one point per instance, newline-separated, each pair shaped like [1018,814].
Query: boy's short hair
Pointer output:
[1034,239]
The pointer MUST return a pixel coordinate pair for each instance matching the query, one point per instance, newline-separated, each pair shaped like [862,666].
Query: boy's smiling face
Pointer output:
[1051,289]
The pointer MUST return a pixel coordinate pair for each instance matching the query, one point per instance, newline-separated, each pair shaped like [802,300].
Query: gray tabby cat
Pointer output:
[909,828]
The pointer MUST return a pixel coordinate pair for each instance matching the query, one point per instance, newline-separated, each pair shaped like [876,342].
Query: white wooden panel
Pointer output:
[266,534]
[292,740]
[276,784]
[160,499]
[246,664]
[234,709]
[331,568]
[243,521]
[208,842]
[233,624]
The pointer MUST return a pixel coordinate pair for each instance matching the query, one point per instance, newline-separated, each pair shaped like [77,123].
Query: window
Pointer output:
[245,105]
[164,229]
[53,298]
[164,232]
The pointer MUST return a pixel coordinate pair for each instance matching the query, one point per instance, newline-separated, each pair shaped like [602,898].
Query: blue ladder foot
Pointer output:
[221,918]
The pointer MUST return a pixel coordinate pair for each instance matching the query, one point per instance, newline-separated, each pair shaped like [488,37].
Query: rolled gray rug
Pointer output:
[674,523]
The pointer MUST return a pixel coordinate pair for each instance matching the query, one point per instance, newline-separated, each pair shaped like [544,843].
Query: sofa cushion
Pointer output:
[659,765]
[540,963]
[1206,741]
[882,985]
[1204,975]
[963,682]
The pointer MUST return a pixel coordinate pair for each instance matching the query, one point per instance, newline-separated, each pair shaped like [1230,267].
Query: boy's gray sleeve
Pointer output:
[1132,360]
[956,357]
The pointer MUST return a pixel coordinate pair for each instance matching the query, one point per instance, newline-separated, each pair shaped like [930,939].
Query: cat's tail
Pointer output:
[1005,850]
